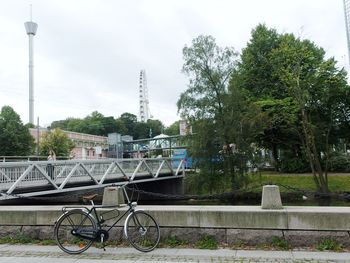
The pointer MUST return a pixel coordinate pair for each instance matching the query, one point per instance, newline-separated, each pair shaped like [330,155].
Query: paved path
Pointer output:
[52,254]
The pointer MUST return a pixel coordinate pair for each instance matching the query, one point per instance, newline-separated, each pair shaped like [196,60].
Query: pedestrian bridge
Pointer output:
[28,179]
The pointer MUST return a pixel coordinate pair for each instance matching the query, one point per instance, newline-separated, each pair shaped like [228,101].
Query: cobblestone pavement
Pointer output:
[52,254]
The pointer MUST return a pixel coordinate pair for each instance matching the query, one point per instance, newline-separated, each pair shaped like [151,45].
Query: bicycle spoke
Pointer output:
[75,221]
[142,231]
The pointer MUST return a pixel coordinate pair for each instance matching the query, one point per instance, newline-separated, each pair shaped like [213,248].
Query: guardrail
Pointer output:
[47,177]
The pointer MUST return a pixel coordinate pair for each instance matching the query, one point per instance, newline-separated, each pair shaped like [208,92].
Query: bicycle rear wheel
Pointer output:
[142,231]
[75,221]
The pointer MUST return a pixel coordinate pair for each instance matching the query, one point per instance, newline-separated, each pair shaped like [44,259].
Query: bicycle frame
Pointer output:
[93,212]
[88,223]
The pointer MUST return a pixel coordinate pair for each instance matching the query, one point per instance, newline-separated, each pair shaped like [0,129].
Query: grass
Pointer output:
[329,244]
[174,241]
[280,243]
[20,238]
[337,183]
[207,242]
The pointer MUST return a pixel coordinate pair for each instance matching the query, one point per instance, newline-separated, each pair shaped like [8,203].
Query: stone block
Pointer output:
[193,235]
[117,234]
[113,196]
[271,198]
[9,231]
[311,238]
[252,236]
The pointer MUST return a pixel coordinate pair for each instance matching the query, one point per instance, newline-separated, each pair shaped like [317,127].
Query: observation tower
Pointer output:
[347,25]
[31,28]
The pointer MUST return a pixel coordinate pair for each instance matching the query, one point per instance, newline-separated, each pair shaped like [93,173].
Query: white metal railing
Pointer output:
[72,175]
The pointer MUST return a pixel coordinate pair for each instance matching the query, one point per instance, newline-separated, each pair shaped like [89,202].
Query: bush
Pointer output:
[329,244]
[339,162]
[291,163]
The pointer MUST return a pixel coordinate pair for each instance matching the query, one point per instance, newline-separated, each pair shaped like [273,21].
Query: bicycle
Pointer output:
[78,227]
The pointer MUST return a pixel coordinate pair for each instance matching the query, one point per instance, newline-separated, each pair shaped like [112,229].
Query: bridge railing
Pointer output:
[20,177]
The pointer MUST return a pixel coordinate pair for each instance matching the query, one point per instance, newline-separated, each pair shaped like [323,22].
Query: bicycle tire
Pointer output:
[142,231]
[74,220]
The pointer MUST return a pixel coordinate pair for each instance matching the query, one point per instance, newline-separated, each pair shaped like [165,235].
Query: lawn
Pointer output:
[337,182]
[197,184]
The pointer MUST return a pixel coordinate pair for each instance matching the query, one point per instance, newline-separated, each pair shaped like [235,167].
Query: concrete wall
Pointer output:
[228,224]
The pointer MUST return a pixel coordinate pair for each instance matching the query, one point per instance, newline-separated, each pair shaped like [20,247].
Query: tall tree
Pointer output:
[318,88]
[15,139]
[302,92]
[209,68]
[209,104]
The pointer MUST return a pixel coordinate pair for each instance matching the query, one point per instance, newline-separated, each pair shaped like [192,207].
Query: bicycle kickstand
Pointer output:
[102,242]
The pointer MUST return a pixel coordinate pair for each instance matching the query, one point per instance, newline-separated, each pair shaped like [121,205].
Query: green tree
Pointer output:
[129,120]
[256,77]
[69,124]
[95,123]
[218,113]
[302,93]
[15,139]
[173,129]
[149,129]
[318,88]
[57,141]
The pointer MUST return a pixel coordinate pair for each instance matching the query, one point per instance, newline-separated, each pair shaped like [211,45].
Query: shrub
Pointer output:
[293,163]
[339,162]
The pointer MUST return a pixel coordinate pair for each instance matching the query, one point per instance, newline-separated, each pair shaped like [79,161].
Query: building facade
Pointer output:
[87,146]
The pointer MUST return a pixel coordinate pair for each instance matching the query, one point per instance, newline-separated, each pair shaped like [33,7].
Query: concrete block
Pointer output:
[20,217]
[243,217]
[319,218]
[177,217]
[271,198]
[113,196]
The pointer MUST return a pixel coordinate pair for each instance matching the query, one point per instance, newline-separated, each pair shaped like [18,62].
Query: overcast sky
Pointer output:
[88,53]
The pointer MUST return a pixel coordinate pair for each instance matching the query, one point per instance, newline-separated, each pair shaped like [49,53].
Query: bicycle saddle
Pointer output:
[89,197]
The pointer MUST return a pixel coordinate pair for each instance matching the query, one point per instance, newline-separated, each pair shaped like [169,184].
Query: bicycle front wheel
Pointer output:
[142,231]
[67,227]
